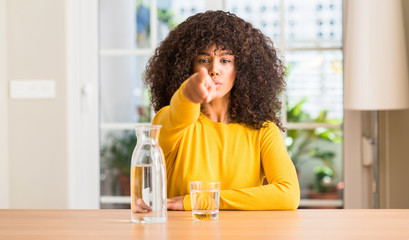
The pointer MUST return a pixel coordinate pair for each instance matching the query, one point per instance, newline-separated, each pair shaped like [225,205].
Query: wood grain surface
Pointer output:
[116,224]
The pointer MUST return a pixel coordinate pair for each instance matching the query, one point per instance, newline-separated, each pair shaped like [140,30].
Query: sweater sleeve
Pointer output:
[175,119]
[282,191]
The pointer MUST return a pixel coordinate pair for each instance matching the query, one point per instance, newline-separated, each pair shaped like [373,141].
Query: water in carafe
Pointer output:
[148,177]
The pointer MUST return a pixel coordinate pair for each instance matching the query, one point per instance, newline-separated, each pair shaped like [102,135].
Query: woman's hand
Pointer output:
[176,203]
[200,88]
[140,206]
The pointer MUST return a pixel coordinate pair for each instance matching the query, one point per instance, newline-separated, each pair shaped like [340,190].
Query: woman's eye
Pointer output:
[225,61]
[203,60]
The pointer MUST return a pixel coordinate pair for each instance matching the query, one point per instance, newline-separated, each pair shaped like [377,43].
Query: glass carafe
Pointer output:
[148,177]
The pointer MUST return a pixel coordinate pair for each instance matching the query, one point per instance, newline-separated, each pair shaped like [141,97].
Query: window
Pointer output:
[308,35]
[127,40]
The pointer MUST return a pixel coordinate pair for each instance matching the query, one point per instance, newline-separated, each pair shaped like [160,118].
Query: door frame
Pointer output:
[83,103]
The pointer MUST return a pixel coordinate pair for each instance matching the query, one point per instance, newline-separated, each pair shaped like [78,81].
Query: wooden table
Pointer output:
[115,224]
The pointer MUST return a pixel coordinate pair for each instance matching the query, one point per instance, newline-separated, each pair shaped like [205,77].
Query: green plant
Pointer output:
[300,143]
[307,144]
[326,157]
[323,179]
[166,16]
[117,152]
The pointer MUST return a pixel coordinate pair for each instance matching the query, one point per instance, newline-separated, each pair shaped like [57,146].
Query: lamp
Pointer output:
[375,63]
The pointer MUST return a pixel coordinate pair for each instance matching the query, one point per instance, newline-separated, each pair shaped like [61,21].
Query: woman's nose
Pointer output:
[214,71]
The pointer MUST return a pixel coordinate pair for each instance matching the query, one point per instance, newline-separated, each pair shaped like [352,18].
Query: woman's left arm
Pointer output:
[282,191]
[283,187]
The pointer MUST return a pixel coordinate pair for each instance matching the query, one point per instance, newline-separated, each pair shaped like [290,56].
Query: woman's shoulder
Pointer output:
[270,128]
[269,125]
[159,113]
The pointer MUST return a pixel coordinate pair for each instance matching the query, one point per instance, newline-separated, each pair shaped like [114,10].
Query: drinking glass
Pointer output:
[205,198]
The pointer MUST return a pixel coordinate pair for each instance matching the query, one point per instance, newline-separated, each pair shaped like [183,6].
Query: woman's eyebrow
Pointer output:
[226,53]
[221,54]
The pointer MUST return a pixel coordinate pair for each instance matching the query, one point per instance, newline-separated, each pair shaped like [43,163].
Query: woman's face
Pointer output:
[220,65]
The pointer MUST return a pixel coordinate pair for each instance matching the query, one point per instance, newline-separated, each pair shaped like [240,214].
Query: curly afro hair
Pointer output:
[260,73]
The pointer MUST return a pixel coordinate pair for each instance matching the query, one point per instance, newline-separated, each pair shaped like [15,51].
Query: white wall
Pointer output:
[4,161]
[37,136]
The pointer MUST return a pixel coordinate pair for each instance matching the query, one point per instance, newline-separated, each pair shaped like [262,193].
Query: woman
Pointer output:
[215,82]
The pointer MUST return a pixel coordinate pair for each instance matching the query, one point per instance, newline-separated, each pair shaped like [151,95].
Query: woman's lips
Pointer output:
[218,84]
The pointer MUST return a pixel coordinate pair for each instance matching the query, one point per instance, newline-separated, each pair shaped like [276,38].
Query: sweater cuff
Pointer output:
[187,205]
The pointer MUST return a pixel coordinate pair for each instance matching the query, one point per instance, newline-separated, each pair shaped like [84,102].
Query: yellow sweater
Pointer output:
[196,148]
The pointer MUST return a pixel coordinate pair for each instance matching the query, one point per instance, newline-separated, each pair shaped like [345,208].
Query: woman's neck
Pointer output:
[217,110]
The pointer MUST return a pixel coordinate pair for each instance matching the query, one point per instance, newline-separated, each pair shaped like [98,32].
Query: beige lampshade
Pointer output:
[375,63]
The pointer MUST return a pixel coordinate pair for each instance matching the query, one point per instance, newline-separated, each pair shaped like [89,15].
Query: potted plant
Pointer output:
[307,145]
[116,156]
[301,144]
